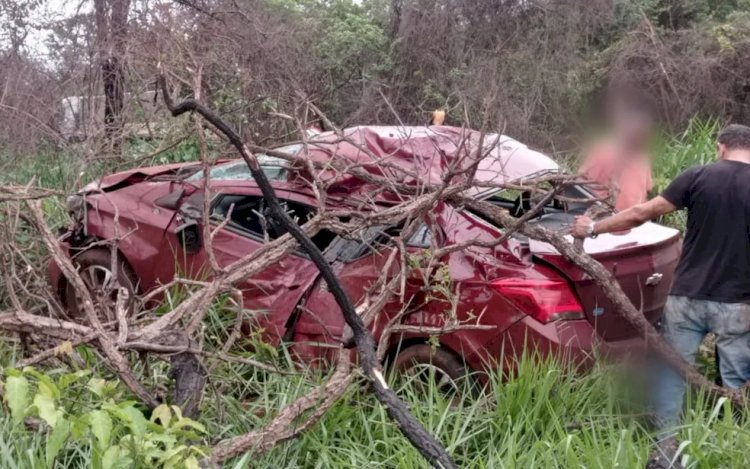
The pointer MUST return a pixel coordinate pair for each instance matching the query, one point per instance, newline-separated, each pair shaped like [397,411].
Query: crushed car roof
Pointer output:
[421,156]
[416,156]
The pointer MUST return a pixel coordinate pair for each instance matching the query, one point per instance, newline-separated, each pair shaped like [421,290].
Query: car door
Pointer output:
[242,226]
[358,261]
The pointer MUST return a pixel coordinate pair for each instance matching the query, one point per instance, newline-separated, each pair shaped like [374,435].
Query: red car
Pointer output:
[530,295]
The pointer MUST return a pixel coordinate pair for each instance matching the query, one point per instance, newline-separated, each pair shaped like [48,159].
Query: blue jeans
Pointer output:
[686,322]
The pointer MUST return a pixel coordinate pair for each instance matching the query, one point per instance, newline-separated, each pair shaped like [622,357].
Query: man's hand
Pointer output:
[581,228]
[625,220]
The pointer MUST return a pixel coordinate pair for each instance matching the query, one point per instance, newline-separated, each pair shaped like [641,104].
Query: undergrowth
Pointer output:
[546,416]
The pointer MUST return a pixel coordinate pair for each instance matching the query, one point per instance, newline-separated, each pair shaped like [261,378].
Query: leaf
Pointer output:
[191,463]
[46,385]
[186,422]
[113,457]
[69,378]
[178,412]
[163,414]
[173,458]
[56,440]
[13,372]
[45,406]
[79,426]
[126,412]
[135,420]
[244,462]
[101,426]
[97,385]
[17,397]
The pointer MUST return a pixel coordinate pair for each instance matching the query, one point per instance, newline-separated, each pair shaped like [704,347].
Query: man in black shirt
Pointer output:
[711,288]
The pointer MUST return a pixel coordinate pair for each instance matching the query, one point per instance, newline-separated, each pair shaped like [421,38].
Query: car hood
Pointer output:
[133,176]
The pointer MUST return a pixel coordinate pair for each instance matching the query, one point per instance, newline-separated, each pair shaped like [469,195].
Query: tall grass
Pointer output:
[547,416]
[673,154]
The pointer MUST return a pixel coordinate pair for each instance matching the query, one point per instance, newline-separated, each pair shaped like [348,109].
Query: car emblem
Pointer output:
[654,279]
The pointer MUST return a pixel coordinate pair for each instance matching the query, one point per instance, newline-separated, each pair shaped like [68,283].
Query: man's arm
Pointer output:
[625,220]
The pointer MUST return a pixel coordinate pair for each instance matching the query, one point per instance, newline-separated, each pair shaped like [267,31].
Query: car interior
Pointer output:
[251,215]
[555,215]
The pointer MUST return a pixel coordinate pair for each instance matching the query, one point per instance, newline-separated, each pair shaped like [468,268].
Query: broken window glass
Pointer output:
[422,238]
[275,168]
[251,215]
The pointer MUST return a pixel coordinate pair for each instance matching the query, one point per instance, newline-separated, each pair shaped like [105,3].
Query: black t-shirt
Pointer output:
[715,262]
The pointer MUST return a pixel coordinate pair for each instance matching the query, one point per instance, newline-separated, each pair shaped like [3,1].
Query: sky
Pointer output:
[51,10]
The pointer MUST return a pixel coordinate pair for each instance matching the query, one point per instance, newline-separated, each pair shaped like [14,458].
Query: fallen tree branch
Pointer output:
[108,346]
[282,427]
[410,427]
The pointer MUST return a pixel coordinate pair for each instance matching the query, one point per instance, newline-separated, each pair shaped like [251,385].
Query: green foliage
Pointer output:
[90,414]
[353,45]
[672,155]
[696,145]
[542,415]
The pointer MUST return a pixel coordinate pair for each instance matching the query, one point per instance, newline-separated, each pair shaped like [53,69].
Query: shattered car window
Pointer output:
[361,242]
[274,167]
[422,238]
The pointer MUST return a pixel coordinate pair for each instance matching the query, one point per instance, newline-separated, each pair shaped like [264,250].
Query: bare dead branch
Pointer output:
[283,427]
[430,448]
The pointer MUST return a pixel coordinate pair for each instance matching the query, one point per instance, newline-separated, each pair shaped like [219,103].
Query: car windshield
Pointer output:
[275,168]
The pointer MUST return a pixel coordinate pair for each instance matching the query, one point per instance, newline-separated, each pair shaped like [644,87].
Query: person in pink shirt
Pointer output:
[619,166]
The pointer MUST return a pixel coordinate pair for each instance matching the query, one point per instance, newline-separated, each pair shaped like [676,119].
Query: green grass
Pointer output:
[547,416]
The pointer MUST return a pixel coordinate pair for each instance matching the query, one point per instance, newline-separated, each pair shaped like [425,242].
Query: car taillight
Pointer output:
[544,300]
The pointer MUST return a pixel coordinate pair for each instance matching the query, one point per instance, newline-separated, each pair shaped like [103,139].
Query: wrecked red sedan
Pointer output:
[528,294]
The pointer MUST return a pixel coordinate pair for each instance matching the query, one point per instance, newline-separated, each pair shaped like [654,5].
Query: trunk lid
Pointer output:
[643,261]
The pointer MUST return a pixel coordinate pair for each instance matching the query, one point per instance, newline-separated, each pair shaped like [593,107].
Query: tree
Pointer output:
[111,18]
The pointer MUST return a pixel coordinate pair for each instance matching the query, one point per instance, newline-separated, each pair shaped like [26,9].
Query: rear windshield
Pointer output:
[559,213]
[276,169]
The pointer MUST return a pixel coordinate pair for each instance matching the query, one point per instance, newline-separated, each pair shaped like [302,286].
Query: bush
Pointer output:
[90,421]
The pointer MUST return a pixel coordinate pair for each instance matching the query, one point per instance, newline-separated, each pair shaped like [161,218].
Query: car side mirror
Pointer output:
[171,200]
[189,237]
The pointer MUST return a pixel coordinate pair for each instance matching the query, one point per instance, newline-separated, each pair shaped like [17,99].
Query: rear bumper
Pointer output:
[574,342]
[623,349]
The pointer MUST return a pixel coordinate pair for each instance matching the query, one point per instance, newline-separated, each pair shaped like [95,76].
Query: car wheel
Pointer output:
[95,268]
[426,366]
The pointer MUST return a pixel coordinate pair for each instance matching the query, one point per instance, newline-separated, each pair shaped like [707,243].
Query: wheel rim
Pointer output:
[103,287]
[425,375]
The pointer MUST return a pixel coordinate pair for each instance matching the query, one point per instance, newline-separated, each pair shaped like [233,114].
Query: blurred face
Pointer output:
[634,133]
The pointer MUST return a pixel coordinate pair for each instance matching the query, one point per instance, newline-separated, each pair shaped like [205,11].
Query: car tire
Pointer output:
[186,370]
[95,268]
[449,371]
